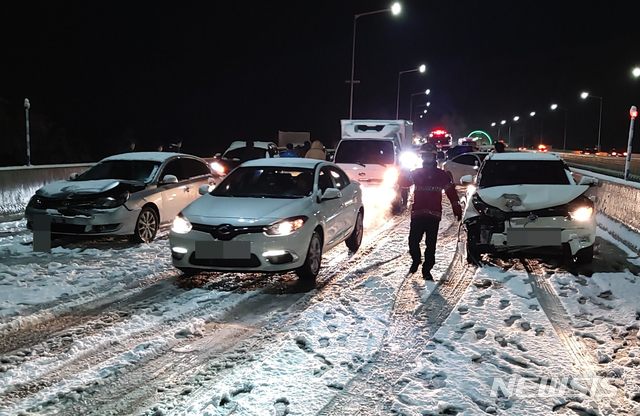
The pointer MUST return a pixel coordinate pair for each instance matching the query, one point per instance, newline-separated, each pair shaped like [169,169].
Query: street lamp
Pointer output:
[395,10]
[427,92]
[584,96]
[515,119]
[422,69]
[532,114]
[27,105]
[636,72]
[564,142]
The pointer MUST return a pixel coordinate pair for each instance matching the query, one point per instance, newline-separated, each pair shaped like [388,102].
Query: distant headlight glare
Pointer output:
[216,166]
[285,227]
[181,225]
[582,214]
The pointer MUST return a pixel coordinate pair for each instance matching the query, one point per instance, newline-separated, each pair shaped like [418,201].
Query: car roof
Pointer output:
[149,156]
[289,162]
[472,153]
[523,156]
[240,144]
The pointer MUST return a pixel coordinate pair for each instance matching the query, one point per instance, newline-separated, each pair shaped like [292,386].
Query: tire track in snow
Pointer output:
[131,387]
[414,323]
[584,361]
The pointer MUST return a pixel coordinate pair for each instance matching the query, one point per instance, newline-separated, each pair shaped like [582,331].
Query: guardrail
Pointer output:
[607,165]
[19,183]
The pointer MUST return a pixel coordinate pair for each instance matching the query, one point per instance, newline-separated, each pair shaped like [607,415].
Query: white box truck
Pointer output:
[370,152]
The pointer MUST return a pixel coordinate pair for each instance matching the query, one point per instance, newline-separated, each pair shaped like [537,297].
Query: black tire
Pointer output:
[473,237]
[355,239]
[311,266]
[584,256]
[146,227]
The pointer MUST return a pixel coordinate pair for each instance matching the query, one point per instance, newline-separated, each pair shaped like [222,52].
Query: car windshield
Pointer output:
[522,172]
[128,170]
[266,182]
[243,154]
[365,151]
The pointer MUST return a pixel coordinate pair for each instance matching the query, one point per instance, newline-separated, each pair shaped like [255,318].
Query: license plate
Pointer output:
[223,250]
[534,237]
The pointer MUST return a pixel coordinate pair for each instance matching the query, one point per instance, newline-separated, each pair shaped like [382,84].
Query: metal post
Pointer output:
[27,105]
[541,127]
[564,145]
[398,98]
[353,62]
[509,140]
[628,159]
[411,108]
[599,123]
[498,133]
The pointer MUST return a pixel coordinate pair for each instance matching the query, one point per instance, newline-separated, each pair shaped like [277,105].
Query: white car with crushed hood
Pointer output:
[528,201]
[128,194]
[270,215]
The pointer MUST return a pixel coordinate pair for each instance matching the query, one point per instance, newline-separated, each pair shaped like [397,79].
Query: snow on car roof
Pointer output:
[151,156]
[289,162]
[524,156]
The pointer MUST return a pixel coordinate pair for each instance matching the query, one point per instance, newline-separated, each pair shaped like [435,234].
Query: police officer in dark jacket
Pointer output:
[426,210]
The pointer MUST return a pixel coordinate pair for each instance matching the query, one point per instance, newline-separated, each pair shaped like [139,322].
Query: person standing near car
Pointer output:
[426,210]
[289,152]
[316,151]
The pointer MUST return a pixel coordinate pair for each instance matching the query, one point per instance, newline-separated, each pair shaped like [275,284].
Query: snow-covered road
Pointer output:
[107,327]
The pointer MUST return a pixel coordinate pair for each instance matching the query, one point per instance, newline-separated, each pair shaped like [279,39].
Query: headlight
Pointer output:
[111,202]
[216,166]
[582,214]
[285,227]
[181,225]
[410,160]
[390,177]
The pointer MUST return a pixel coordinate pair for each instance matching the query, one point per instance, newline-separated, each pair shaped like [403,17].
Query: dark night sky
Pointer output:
[209,73]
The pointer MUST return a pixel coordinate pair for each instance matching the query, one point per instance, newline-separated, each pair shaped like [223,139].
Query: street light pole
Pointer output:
[564,142]
[395,9]
[422,68]
[27,105]
[584,96]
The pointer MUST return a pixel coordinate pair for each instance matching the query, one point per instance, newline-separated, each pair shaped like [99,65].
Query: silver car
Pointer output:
[128,194]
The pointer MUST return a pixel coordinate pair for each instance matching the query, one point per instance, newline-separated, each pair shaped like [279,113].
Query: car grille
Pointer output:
[226,232]
[46,203]
[254,261]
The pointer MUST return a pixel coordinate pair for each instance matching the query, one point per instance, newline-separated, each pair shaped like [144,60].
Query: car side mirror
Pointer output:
[218,155]
[588,180]
[73,176]
[205,189]
[466,179]
[169,179]
[330,193]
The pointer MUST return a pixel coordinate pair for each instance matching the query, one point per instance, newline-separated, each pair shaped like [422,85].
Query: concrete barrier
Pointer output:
[19,184]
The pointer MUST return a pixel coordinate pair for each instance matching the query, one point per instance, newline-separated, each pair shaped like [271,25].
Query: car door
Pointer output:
[196,173]
[175,196]
[349,209]
[330,210]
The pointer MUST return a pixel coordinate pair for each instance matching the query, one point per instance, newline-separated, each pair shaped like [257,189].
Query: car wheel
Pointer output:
[311,266]
[354,240]
[584,256]
[473,238]
[146,226]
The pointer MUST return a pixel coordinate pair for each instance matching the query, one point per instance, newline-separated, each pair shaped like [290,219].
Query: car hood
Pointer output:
[515,198]
[80,189]
[210,209]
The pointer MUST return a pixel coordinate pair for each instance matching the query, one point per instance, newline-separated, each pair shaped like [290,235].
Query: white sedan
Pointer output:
[270,215]
[464,164]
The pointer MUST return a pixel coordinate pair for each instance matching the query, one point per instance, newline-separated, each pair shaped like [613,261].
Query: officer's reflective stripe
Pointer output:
[429,188]
[425,211]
